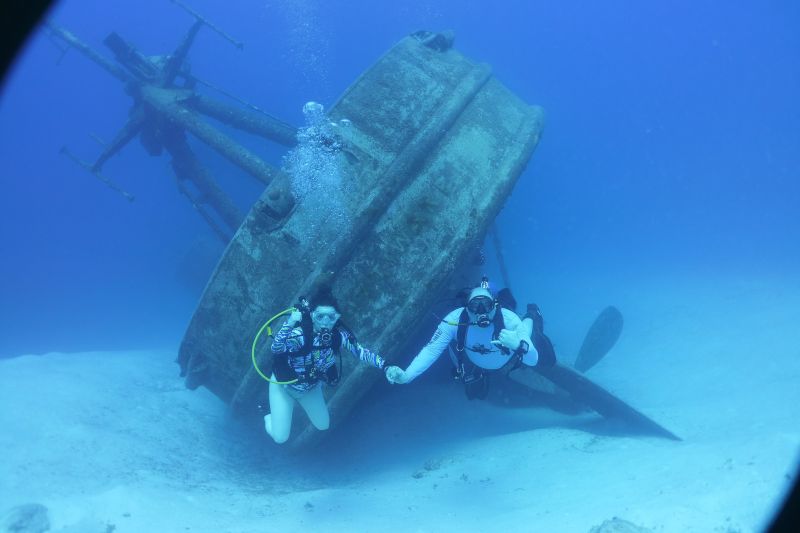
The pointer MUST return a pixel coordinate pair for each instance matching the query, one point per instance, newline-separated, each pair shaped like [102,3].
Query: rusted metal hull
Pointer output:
[436,146]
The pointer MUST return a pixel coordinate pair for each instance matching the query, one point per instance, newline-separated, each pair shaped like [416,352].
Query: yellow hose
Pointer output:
[269,332]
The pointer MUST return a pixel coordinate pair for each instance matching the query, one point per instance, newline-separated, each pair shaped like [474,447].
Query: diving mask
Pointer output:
[325,318]
[320,316]
[480,305]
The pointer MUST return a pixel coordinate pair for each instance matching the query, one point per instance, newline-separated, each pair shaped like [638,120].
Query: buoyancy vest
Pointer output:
[332,375]
[464,323]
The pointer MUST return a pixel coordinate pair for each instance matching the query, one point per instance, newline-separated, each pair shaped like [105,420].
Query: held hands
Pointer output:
[395,374]
[508,339]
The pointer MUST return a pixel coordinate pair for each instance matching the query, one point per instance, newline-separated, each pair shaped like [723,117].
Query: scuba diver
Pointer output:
[482,336]
[304,353]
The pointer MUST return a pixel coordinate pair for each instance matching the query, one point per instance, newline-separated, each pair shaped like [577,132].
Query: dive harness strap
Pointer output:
[464,323]
[282,362]
[462,362]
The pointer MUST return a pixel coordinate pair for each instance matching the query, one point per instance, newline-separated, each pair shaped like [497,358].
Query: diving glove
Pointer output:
[395,375]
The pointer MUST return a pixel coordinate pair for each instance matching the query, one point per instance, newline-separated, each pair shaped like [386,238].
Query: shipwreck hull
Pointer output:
[435,147]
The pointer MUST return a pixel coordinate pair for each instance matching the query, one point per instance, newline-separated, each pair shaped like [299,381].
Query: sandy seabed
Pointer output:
[114,442]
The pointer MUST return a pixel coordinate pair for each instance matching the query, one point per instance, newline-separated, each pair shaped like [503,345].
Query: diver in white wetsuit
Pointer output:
[483,336]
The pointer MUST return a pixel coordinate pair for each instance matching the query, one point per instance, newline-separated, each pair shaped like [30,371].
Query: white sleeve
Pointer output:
[445,332]
[524,328]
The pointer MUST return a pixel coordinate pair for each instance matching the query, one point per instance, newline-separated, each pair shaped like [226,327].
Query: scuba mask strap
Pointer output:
[461,333]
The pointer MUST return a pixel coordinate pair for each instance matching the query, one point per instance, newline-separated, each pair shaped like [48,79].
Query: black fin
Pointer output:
[597,398]
[601,337]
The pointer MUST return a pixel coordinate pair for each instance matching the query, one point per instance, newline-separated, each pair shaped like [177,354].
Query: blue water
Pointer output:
[670,144]
[668,165]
